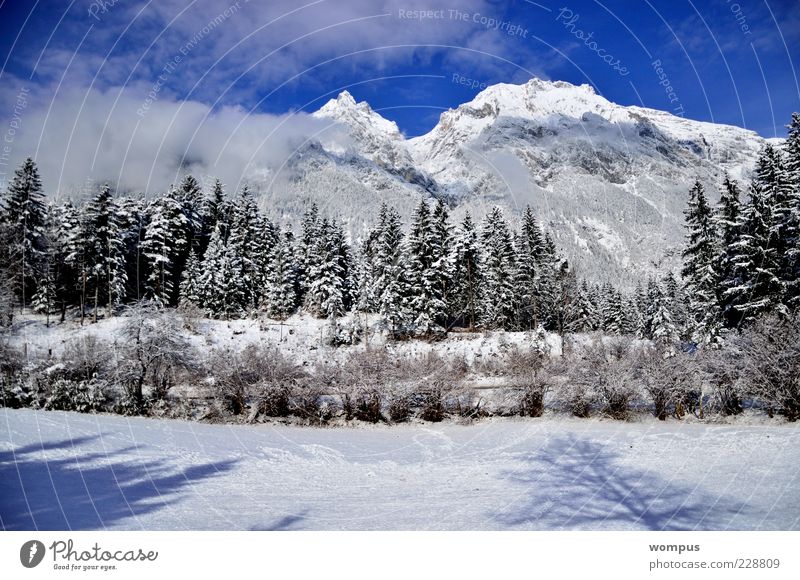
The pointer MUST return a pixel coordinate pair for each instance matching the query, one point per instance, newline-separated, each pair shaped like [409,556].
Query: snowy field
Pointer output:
[70,471]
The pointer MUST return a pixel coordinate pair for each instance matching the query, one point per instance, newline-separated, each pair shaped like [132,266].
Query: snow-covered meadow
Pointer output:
[73,471]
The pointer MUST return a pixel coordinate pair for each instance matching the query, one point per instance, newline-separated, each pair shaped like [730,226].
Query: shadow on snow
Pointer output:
[83,490]
[577,484]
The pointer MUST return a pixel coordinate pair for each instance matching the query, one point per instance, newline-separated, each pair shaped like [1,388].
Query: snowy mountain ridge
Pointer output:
[609,181]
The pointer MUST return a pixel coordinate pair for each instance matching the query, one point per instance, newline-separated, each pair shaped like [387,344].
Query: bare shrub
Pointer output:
[602,372]
[153,351]
[669,378]
[770,351]
[435,381]
[525,372]
[366,375]
[721,368]
[85,357]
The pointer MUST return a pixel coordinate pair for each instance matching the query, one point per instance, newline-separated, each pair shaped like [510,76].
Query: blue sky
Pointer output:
[728,62]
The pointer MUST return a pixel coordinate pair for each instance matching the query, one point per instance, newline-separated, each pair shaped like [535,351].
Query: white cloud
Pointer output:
[104,139]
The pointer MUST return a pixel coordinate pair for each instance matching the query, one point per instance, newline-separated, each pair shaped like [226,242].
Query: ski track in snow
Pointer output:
[66,471]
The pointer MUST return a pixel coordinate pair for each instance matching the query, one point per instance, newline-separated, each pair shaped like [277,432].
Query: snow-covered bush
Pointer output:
[153,350]
[602,372]
[721,369]
[82,396]
[670,379]
[84,358]
[771,355]
[525,371]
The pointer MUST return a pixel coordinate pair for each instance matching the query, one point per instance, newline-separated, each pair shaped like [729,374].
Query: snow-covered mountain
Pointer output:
[609,181]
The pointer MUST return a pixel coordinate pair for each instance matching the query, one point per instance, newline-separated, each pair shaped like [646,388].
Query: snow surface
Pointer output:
[70,471]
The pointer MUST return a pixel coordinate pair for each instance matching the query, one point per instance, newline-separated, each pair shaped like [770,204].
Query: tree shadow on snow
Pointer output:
[83,490]
[285,523]
[578,484]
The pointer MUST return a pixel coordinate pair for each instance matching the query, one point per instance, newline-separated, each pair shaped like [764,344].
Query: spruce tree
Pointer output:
[280,298]
[426,303]
[190,292]
[104,254]
[465,275]
[699,275]
[498,272]
[163,243]
[389,277]
[24,214]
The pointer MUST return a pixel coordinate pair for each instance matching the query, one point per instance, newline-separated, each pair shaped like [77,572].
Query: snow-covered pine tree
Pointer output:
[24,214]
[44,300]
[309,235]
[498,272]
[584,311]
[216,210]
[465,275]
[426,303]
[280,299]
[325,296]
[104,252]
[442,246]
[662,326]
[528,246]
[728,221]
[700,278]
[676,302]
[755,286]
[791,155]
[164,241]
[613,310]
[243,241]
[221,279]
[548,280]
[389,277]
[190,292]
[776,187]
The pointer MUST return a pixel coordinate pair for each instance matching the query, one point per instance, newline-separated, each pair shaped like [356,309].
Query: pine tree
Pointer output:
[465,275]
[326,290]
[280,297]
[498,272]
[700,278]
[529,252]
[662,326]
[426,303]
[24,214]
[754,285]
[791,154]
[243,241]
[442,247]
[163,243]
[308,238]
[584,312]
[389,276]
[104,254]
[613,310]
[728,220]
[190,291]
[221,286]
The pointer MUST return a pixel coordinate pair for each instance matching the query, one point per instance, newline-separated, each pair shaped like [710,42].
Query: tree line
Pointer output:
[222,255]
